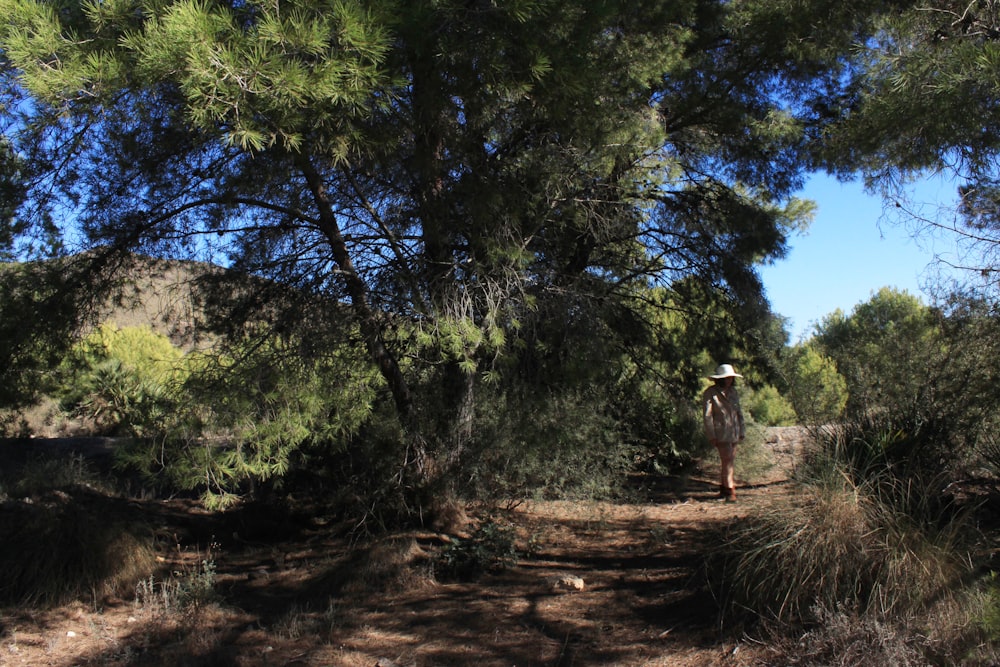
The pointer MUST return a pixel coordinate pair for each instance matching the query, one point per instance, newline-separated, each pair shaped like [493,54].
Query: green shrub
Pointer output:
[893,455]
[124,381]
[989,619]
[489,549]
[817,391]
[547,444]
[753,459]
[248,414]
[768,407]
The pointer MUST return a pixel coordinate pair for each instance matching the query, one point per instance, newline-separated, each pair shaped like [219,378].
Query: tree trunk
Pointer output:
[430,110]
[457,412]
[371,329]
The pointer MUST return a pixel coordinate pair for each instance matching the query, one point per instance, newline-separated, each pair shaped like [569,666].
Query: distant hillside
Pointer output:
[173,297]
[163,295]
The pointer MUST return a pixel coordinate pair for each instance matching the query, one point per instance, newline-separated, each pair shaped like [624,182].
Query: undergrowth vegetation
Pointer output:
[65,535]
[178,591]
[886,548]
[871,557]
[490,548]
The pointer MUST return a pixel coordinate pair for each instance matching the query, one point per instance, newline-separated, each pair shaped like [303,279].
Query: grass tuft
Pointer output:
[836,546]
[60,547]
[64,535]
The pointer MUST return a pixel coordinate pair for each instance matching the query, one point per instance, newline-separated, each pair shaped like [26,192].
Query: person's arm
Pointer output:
[739,416]
[707,405]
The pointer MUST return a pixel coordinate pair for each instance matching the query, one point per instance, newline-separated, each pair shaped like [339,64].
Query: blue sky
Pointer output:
[850,251]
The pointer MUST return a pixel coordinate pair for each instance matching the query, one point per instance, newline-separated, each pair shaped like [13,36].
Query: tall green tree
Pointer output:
[815,388]
[920,380]
[450,169]
[883,349]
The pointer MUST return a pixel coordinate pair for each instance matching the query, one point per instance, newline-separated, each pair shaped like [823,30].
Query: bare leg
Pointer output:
[727,479]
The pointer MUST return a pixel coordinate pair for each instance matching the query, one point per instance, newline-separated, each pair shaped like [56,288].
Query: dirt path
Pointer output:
[600,584]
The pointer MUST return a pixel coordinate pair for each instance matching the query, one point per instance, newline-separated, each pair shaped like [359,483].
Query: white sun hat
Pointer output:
[724,371]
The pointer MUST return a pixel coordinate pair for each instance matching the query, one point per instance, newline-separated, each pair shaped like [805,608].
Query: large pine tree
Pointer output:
[454,163]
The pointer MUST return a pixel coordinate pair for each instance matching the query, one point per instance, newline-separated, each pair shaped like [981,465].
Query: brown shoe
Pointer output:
[731,496]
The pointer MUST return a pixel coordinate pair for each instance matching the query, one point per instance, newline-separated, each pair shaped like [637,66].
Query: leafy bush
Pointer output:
[869,347]
[489,549]
[926,373]
[547,444]
[248,414]
[816,390]
[663,429]
[768,407]
[124,381]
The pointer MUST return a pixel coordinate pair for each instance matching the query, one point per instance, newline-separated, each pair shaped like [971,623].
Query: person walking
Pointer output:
[724,426]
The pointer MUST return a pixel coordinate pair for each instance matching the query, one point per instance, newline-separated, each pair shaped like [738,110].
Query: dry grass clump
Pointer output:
[949,632]
[59,547]
[845,639]
[44,474]
[835,546]
[395,562]
[64,537]
[871,562]
[46,418]
[186,590]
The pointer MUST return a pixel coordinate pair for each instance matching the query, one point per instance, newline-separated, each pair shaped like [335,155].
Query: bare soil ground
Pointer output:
[300,591]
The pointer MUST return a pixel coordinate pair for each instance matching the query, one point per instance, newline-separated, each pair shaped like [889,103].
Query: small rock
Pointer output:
[71,634]
[566,582]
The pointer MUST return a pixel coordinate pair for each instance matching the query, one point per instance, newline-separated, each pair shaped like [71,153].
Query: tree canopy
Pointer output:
[924,101]
[472,179]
